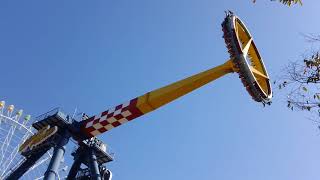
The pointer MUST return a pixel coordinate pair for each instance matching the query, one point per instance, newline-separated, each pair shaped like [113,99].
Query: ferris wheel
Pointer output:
[14,130]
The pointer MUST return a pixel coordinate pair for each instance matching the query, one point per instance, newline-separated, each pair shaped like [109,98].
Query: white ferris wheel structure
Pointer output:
[15,128]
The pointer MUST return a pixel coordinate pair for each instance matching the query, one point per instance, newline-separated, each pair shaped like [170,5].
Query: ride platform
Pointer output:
[55,117]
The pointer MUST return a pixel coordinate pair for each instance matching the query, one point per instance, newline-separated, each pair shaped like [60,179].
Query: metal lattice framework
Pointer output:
[14,130]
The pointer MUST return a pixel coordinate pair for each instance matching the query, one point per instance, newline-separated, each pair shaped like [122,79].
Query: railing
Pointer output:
[47,114]
[98,144]
[54,111]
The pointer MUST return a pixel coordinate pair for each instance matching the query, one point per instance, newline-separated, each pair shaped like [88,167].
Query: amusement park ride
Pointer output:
[55,128]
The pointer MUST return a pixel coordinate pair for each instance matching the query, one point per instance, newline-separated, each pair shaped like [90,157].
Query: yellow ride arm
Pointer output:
[150,101]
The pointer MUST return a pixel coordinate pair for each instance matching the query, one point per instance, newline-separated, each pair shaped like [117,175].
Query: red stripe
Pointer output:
[96,121]
[118,107]
[102,130]
[118,116]
[116,124]
[104,113]
[89,130]
[104,123]
[110,115]
[132,108]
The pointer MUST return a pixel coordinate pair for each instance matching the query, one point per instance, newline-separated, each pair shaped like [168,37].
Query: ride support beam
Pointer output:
[94,166]
[74,169]
[150,101]
[58,153]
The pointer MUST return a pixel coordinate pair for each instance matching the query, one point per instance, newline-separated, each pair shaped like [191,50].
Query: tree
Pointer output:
[290,2]
[287,2]
[301,79]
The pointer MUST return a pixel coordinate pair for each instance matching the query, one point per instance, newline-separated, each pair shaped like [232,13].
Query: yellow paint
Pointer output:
[258,73]
[157,98]
[249,50]
[36,139]
[2,103]
[10,108]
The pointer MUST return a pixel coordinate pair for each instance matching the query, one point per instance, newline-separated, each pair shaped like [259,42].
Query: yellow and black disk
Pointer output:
[246,58]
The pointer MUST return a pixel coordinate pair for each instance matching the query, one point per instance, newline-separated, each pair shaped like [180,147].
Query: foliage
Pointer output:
[287,2]
[290,2]
[301,79]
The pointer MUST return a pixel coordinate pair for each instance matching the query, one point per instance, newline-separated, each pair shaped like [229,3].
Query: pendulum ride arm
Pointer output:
[244,59]
[150,101]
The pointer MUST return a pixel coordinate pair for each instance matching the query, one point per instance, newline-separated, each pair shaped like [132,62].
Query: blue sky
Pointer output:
[92,55]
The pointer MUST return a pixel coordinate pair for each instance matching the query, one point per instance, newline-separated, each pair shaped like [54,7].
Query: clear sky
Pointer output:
[92,55]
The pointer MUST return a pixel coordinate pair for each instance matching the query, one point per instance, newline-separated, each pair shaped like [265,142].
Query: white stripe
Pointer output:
[126,113]
[125,104]
[103,118]
[97,126]
[111,120]
[89,124]
[95,132]
[123,120]
[109,126]
[111,110]
[117,112]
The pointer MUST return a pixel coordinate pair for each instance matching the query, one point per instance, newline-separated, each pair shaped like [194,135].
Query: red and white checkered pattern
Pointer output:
[111,118]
